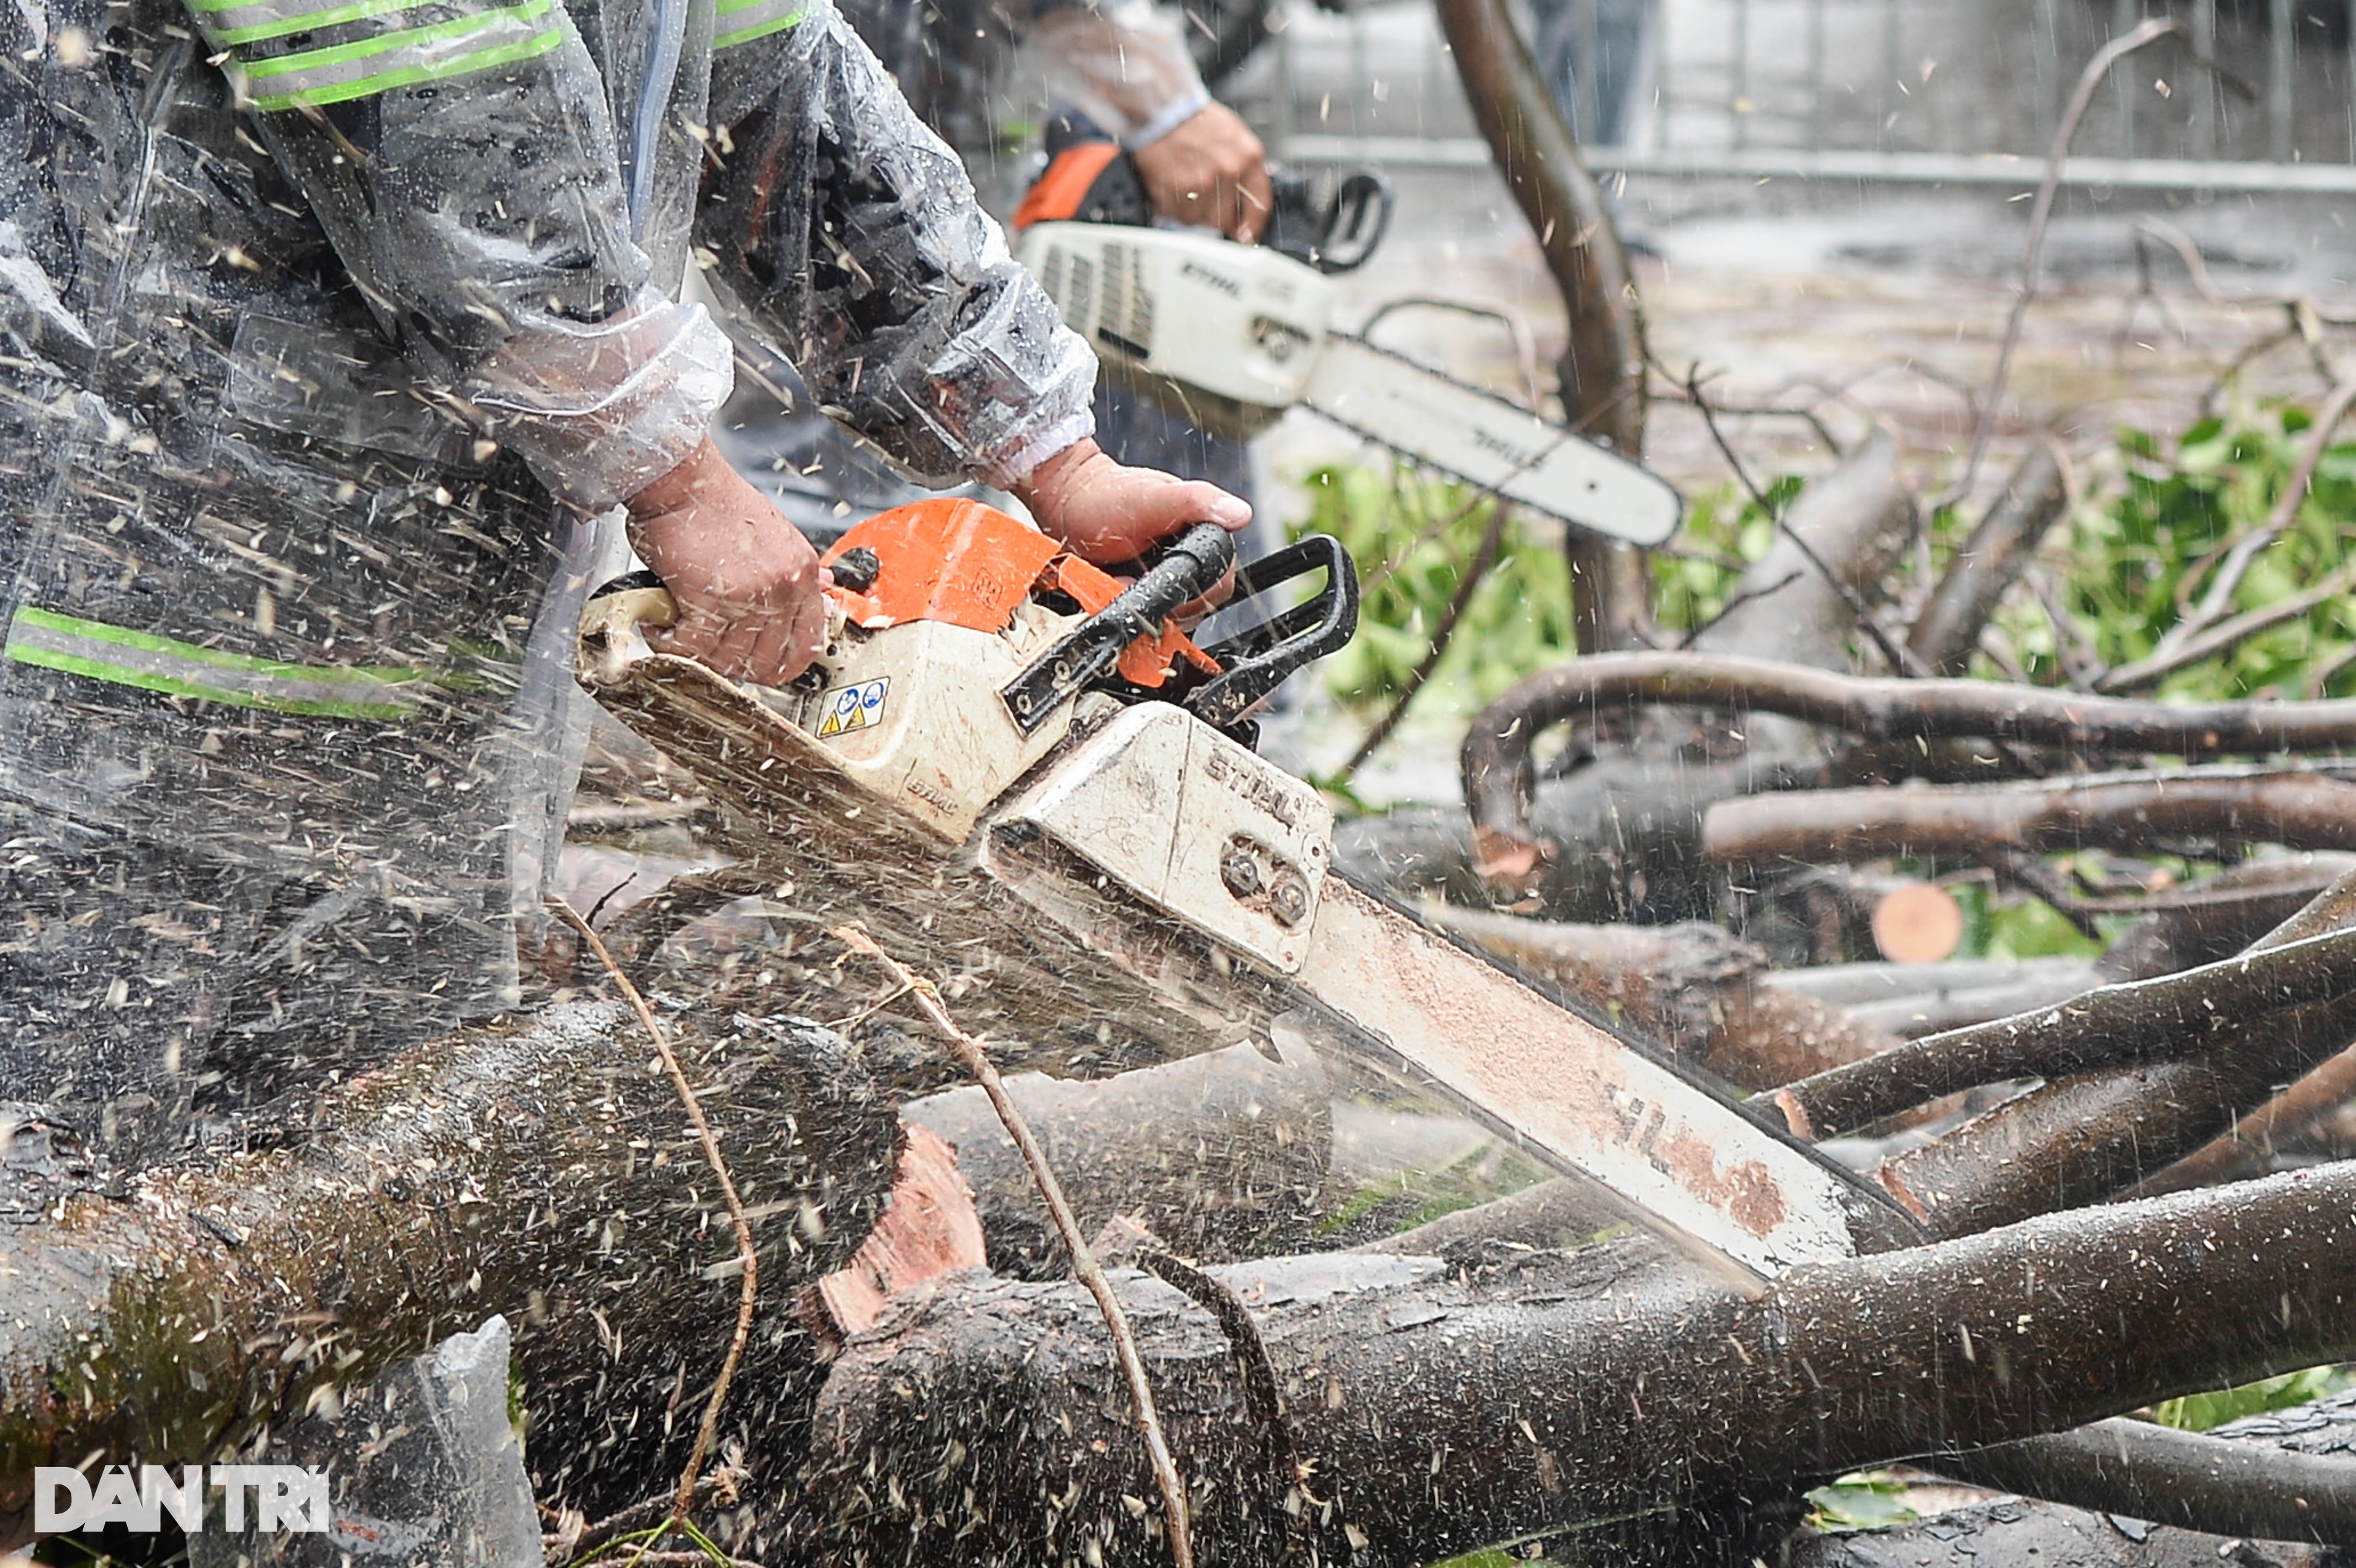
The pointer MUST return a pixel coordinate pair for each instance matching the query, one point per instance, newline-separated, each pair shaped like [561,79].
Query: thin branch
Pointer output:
[1748,596]
[2089,81]
[1085,1267]
[2031,875]
[1484,557]
[2139,1020]
[1892,651]
[640,1516]
[748,1295]
[1261,1391]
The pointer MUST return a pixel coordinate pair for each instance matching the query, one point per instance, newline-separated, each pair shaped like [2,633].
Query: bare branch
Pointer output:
[1499,777]
[2089,80]
[2301,810]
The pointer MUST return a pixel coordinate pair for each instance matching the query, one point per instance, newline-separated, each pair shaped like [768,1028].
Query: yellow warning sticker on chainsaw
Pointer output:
[850,708]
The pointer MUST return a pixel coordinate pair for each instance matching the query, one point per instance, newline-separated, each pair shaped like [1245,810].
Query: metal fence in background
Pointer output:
[1923,92]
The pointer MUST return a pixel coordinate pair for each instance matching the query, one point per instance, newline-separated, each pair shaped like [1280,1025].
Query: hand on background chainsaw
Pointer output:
[1110,513]
[746,582]
[1210,171]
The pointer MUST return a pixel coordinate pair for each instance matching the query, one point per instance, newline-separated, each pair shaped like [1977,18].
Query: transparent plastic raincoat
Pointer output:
[326,326]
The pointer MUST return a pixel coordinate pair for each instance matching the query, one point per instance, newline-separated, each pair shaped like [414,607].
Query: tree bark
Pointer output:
[1603,371]
[1498,779]
[2085,1139]
[2171,1016]
[539,1170]
[1446,1412]
[1947,628]
[2303,811]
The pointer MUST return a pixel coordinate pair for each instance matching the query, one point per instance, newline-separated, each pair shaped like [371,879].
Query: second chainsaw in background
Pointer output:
[1228,337]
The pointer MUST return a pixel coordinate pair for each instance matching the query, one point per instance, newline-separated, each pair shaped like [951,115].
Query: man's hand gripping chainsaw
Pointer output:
[1019,773]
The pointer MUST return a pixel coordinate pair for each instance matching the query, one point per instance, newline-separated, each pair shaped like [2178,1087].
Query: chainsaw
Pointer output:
[1228,337]
[1027,781]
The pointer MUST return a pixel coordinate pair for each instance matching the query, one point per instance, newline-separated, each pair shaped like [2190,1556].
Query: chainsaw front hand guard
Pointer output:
[1258,660]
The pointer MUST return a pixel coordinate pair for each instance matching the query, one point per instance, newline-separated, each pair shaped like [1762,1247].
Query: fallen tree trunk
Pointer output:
[1445,1412]
[542,1170]
[2301,810]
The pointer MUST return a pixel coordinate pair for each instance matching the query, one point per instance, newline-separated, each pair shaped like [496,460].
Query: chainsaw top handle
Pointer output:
[1191,566]
[1255,661]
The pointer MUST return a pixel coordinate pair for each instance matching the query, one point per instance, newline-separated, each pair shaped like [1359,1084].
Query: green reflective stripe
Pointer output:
[370,66]
[276,21]
[746,20]
[124,658]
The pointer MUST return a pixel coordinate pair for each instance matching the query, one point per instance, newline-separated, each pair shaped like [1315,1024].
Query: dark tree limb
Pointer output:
[2172,1016]
[2085,1139]
[2221,915]
[1499,779]
[1603,371]
[2184,1478]
[2304,811]
[1947,628]
[2252,1138]
[1447,1411]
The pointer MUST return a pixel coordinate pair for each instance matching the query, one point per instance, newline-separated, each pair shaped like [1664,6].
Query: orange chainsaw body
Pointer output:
[970,565]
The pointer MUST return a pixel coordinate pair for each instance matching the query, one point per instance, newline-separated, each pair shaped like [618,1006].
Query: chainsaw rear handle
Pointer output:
[1258,660]
[1191,567]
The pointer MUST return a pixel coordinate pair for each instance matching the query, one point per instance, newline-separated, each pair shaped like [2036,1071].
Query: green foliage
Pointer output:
[2137,559]
[2200,1412]
[1413,536]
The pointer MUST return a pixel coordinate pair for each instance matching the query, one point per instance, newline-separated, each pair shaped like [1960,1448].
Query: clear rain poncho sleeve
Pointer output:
[1123,64]
[461,158]
[852,237]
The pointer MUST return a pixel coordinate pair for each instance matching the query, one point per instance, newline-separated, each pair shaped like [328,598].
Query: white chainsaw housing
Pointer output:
[1236,328]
